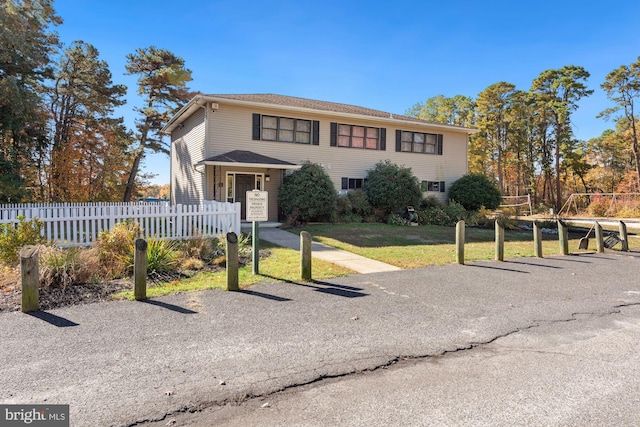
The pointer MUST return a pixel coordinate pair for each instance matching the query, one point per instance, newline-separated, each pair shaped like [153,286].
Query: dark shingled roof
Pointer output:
[291,101]
[240,156]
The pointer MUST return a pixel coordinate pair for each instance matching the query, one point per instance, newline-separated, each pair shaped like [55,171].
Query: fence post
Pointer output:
[30,278]
[232,262]
[537,239]
[140,270]
[305,255]
[599,238]
[460,242]
[499,241]
[624,237]
[563,237]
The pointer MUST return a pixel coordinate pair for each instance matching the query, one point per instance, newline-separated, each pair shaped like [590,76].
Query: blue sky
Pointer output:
[383,55]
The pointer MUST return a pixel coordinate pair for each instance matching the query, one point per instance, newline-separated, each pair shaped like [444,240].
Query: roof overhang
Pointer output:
[248,165]
[247,159]
[200,101]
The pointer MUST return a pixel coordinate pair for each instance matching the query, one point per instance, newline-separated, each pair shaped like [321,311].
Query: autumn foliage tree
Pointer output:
[85,137]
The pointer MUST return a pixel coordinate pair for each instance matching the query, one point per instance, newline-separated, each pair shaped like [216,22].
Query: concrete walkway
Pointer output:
[342,258]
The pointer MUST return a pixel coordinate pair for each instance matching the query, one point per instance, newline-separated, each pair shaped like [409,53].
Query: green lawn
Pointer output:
[412,247]
[281,264]
[402,246]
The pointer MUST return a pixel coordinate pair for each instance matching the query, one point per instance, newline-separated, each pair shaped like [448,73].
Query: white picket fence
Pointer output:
[73,225]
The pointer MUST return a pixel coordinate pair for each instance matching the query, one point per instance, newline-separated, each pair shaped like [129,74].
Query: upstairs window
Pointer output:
[286,129]
[418,142]
[353,136]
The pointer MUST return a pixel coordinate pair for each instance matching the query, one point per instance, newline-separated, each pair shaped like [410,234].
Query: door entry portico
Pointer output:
[237,186]
[244,183]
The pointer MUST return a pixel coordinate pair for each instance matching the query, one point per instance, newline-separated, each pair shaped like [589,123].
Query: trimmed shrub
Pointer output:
[308,194]
[456,211]
[431,202]
[474,191]
[434,216]
[354,207]
[391,187]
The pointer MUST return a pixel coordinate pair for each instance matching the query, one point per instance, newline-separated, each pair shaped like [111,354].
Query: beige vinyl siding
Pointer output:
[187,148]
[230,128]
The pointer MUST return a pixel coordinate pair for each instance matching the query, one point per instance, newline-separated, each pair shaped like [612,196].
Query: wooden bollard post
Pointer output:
[499,241]
[537,239]
[624,237]
[563,237]
[305,255]
[30,279]
[140,270]
[232,262]
[460,242]
[599,238]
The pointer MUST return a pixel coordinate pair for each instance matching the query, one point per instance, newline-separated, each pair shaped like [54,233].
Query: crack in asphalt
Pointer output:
[243,398]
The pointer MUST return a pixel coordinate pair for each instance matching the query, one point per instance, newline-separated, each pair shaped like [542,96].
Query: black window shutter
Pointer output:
[316,133]
[256,127]
[442,186]
[383,139]
[334,134]
[345,183]
[398,140]
[439,147]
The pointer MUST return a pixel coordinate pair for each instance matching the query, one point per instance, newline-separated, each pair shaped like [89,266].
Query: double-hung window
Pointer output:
[285,129]
[352,183]
[433,186]
[354,136]
[418,142]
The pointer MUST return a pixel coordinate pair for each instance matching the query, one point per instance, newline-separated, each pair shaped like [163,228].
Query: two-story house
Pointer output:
[225,145]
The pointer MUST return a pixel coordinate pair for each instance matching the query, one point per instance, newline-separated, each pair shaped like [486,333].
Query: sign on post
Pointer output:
[257,205]
[257,210]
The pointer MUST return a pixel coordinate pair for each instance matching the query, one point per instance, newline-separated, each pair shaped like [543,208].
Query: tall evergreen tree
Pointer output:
[622,86]
[82,100]
[557,93]
[26,46]
[162,79]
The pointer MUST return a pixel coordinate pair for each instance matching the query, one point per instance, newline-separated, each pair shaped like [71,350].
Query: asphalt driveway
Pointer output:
[123,363]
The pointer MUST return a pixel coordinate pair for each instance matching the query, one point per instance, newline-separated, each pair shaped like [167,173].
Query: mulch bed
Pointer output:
[11,299]
[87,293]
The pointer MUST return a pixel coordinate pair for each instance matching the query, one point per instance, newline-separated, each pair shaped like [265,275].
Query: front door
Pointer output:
[244,183]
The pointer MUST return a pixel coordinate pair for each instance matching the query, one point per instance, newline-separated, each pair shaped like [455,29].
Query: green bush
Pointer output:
[391,187]
[162,255]
[395,219]
[434,216]
[474,191]
[354,207]
[308,194]
[456,211]
[13,238]
[431,202]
